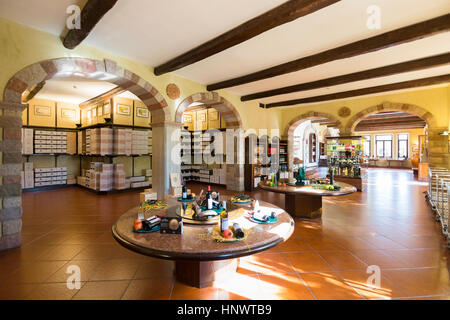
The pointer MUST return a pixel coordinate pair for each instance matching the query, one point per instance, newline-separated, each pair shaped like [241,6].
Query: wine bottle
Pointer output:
[223,220]
[238,232]
[184,193]
[209,201]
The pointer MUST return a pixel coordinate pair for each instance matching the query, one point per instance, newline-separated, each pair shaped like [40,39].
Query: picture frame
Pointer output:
[187,118]
[142,112]
[68,113]
[123,109]
[42,111]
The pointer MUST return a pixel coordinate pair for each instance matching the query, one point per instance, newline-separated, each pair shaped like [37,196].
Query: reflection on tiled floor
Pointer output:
[389,226]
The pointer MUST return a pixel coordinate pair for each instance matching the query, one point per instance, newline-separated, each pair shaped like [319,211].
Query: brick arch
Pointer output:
[289,130]
[226,109]
[293,124]
[389,106]
[106,70]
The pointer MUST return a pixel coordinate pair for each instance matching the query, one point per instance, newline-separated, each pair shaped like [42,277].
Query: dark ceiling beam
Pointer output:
[413,65]
[90,15]
[34,91]
[287,12]
[417,125]
[360,92]
[382,41]
[102,97]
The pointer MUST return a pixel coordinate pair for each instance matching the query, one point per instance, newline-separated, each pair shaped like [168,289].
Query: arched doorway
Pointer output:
[11,123]
[437,144]
[234,172]
[303,146]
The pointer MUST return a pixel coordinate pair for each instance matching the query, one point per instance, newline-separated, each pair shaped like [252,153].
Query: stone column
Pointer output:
[438,151]
[164,145]
[10,175]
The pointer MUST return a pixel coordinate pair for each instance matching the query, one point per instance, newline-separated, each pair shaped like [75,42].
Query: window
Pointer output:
[384,145]
[403,145]
[366,147]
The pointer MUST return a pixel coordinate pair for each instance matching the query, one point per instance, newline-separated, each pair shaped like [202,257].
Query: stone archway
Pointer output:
[226,109]
[293,124]
[11,122]
[235,172]
[386,107]
[438,149]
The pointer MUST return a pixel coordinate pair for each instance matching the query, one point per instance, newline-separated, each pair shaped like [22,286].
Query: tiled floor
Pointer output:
[389,226]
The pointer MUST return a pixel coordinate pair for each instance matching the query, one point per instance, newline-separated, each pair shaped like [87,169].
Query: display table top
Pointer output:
[190,246]
[309,190]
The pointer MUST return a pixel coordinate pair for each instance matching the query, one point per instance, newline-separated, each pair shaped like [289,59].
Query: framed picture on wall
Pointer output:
[43,111]
[142,112]
[123,109]
[187,118]
[106,109]
[68,113]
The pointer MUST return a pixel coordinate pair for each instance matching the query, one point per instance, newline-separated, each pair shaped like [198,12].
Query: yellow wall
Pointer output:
[435,100]
[22,46]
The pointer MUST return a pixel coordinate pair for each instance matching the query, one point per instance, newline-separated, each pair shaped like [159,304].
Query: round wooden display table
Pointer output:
[200,262]
[306,201]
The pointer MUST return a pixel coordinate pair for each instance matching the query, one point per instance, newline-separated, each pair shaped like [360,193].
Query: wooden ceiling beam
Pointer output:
[102,97]
[90,15]
[365,91]
[287,12]
[408,66]
[383,41]
[33,92]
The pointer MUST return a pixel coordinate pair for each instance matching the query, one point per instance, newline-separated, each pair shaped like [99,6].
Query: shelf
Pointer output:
[111,191]
[59,186]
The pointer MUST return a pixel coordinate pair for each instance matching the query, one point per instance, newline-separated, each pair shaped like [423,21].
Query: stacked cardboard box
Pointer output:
[50,142]
[27,141]
[28,175]
[107,177]
[50,176]
[150,141]
[71,179]
[139,182]
[82,142]
[122,141]
[120,182]
[101,141]
[71,143]
[139,143]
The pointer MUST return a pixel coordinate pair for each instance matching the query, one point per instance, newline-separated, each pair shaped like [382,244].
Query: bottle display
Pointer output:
[345,156]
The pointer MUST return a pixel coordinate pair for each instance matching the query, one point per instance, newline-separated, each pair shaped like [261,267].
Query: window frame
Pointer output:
[391,140]
[368,139]
[398,145]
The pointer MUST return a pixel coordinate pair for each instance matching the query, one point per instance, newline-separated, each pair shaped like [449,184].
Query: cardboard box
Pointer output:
[145,196]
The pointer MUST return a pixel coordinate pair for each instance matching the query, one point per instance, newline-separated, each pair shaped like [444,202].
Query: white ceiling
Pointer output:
[77,90]
[155,31]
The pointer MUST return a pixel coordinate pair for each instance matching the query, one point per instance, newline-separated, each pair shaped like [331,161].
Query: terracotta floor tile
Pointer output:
[102,290]
[342,260]
[323,244]
[34,272]
[329,286]
[115,269]
[419,258]
[82,238]
[420,282]
[354,243]
[52,291]
[183,292]
[284,287]
[62,252]
[381,242]
[16,291]
[87,269]
[155,268]
[308,262]
[240,287]
[359,279]
[293,244]
[148,289]
[378,258]
[265,264]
